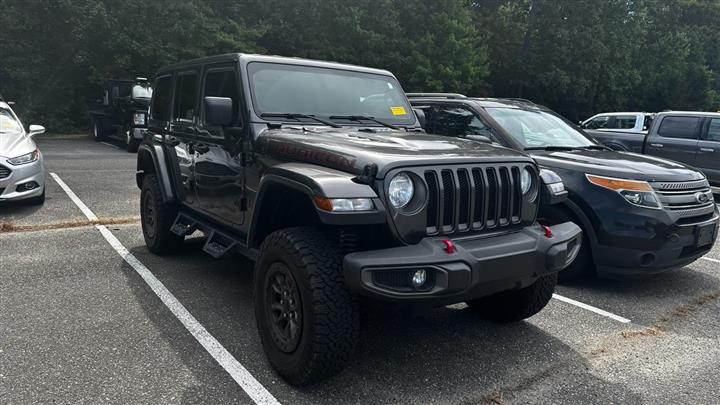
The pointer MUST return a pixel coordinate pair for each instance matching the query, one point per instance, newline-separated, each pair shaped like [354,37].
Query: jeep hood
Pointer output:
[617,164]
[350,150]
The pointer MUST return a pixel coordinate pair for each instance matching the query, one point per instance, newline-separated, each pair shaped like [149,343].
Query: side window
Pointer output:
[223,83]
[160,109]
[624,122]
[679,127]
[185,98]
[598,122]
[454,121]
[714,130]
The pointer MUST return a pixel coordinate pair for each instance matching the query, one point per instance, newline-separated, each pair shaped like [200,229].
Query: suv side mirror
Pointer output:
[420,114]
[35,130]
[218,111]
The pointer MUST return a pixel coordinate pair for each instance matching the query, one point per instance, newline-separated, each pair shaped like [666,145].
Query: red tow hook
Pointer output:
[548,231]
[449,247]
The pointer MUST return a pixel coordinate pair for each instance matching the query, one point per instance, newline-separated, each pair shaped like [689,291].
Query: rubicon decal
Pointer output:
[315,156]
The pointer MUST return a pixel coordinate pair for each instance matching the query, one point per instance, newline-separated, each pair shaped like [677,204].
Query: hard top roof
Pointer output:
[247,58]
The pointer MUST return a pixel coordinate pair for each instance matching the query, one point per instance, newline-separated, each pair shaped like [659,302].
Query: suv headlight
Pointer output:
[400,190]
[635,192]
[25,159]
[139,118]
[525,180]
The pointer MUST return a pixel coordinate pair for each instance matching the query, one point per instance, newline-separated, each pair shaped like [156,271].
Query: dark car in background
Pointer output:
[690,137]
[639,214]
[122,112]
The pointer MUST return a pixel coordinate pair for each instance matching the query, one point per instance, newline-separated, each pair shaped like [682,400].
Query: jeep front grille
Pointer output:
[4,172]
[472,198]
[686,199]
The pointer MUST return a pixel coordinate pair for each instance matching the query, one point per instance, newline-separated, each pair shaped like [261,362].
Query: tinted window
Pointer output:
[597,123]
[624,122]
[454,121]
[223,84]
[161,99]
[714,130]
[679,127]
[185,97]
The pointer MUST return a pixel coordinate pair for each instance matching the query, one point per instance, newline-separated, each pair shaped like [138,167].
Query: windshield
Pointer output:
[8,122]
[142,91]
[327,93]
[538,129]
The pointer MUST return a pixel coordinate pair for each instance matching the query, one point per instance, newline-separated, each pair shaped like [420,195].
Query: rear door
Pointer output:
[218,166]
[676,138]
[708,154]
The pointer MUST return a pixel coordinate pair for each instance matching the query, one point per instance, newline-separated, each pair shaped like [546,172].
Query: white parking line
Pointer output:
[591,308]
[240,374]
[109,144]
[710,259]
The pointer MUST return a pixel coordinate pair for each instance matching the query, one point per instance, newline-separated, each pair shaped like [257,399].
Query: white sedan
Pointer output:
[22,175]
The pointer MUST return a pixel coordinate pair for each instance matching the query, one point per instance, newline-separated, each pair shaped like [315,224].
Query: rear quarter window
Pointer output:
[679,127]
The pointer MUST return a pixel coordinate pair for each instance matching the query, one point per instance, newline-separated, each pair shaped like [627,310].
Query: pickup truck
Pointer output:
[689,137]
[631,122]
[122,112]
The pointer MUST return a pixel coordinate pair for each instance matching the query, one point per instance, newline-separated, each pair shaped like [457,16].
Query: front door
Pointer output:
[219,173]
[676,139]
[708,154]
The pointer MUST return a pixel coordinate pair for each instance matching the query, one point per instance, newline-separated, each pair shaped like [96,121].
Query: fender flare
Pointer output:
[151,158]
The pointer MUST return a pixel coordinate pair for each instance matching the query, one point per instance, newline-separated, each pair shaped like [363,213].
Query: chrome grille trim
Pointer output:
[680,198]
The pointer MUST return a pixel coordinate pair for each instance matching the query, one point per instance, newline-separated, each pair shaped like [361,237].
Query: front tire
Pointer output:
[39,200]
[131,144]
[306,317]
[582,266]
[97,131]
[516,305]
[157,218]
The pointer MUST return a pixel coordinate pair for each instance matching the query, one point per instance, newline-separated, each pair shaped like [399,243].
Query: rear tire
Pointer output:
[156,218]
[306,317]
[516,305]
[97,131]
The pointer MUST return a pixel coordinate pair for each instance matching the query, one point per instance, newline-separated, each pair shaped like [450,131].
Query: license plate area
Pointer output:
[704,235]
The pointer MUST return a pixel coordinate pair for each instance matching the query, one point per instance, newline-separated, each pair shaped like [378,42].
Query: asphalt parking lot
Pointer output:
[82,322]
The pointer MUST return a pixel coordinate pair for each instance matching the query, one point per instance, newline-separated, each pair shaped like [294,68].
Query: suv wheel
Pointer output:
[131,144]
[513,306]
[157,218]
[306,317]
[583,265]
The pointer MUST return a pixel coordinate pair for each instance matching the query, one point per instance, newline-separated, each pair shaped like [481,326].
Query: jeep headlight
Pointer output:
[635,192]
[400,190]
[139,118]
[525,180]
[25,159]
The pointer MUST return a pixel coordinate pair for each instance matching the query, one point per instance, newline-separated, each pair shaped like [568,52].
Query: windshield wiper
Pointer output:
[363,117]
[297,116]
[596,147]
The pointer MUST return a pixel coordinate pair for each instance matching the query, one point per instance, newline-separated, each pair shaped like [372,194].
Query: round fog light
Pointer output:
[418,279]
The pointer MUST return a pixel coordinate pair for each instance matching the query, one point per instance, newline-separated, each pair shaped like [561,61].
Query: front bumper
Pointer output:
[478,267]
[20,175]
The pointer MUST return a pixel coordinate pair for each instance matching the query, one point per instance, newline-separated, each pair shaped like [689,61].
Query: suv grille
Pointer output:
[686,199]
[4,172]
[472,198]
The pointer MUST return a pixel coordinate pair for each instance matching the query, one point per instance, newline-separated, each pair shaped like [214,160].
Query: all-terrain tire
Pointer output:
[157,218]
[516,305]
[582,266]
[328,312]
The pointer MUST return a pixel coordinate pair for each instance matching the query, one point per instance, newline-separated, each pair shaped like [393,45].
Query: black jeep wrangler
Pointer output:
[320,173]
[122,112]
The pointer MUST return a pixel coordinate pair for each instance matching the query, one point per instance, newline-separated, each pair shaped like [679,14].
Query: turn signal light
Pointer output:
[619,184]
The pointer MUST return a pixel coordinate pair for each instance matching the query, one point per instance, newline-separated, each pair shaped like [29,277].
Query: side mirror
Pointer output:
[35,130]
[420,114]
[218,111]
[479,138]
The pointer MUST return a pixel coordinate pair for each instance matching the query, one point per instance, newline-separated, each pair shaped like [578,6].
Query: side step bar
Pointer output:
[218,243]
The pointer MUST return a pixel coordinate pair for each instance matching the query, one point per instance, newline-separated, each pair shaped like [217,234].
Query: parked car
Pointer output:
[692,138]
[639,214]
[321,174]
[22,174]
[122,112]
[629,122]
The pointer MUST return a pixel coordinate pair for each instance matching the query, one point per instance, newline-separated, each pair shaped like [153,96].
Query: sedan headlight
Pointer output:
[400,190]
[525,180]
[139,118]
[25,159]
[635,192]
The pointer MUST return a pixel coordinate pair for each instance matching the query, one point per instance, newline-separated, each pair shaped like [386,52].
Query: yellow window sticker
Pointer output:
[398,110]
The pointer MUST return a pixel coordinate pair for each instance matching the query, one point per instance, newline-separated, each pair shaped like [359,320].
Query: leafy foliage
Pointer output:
[578,57]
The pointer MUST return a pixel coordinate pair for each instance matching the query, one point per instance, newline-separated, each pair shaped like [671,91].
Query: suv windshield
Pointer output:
[8,122]
[538,129]
[339,95]
[142,91]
